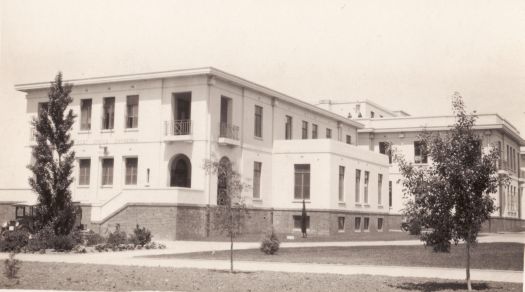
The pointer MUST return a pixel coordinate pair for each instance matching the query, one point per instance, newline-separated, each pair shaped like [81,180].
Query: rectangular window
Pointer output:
[420,152]
[390,193]
[84,169]
[258,121]
[341,224]
[348,139]
[288,128]
[107,171]
[328,133]
[357,185]
[314,131]
[297,220]
[108,114]
[357,224]
[367,176]
[366,224]
[132,111]
[372,115]
[305,130]
[379,189]
[302,181]
[257,167]
[85,114]
[384,148]
[379,224]
[131,171]
[341,183]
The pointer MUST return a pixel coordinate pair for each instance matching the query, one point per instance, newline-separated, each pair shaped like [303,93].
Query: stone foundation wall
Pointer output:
[7,212]
[503,224]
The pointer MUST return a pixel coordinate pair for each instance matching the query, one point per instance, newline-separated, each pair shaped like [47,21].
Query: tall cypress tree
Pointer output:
[53,160]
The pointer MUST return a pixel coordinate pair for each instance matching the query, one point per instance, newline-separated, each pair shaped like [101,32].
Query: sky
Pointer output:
[409,55]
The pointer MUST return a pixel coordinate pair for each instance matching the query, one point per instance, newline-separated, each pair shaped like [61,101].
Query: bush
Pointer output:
[42,240]
[14,240]
[270,244]
[93,238]
[63,242]
[414,227]
[11,266]
[117,237]
[141,236]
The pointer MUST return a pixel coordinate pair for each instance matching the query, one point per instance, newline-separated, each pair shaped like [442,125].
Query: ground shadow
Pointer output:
[229,272]
[440,286]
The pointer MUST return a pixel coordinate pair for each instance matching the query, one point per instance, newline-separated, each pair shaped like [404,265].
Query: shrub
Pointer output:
[14,240]
[117,237]
[414,227]
[141,236]
[270,244]
[63,242]
[11,266]
[42,240]
[93,238]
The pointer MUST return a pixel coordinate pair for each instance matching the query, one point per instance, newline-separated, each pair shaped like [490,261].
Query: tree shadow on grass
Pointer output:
[441,286]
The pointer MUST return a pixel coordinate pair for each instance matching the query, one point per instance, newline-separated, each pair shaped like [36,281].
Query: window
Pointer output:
[288,128]
[297,220]
[379,189]
[341,224]
[84,168]
[390,193]
[257,166]
[357,184]
[314,131]
[302,181]
[85,114]
[107,171]
[132,111]
[258,121]
[357,224]
[108,115]
[379,224]
[348,139]
[384,148]
[341,183]
[180,171]
[305,130]
[131,171]
[366,224]
[420,152]
[372,114]
[42,107]
[328,133]
[367,176]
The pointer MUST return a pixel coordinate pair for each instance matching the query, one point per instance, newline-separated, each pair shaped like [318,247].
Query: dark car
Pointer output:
[24,219]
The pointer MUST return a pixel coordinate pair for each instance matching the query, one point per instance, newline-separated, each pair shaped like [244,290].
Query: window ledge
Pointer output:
[107,131]
[358,205]
[84,132]
[341,203]
[357,230]
[366,205]
[258,138]
[131,129]
[366,230]
[258,200]
[300,201]
[341,231]
[83,186]
[380,207]
[106,186]
[379,230]
[128,187]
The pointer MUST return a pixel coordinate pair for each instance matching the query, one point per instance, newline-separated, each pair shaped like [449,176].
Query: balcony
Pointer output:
[229,135]
[178,130]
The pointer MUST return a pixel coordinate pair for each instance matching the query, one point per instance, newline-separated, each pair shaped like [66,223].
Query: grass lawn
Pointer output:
[496,256]
[124,278]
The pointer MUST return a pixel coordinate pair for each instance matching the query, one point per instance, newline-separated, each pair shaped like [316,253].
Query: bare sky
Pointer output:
[409,55]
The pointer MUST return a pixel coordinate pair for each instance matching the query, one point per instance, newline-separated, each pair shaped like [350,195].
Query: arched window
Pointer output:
[180,171]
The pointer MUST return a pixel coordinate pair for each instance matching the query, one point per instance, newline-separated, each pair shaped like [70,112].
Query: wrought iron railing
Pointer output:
[229,131]
[177,127]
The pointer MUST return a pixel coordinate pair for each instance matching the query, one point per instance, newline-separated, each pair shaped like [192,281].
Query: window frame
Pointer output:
[341,184]
[357,224]
[384,148]
[132,112]
[420,147]
[304,130]
[258,121]
[84,178]
[303,173]
[380,189]
[107,177]
[131,179]
[108,118]
[315,129]
[257,172]
[328,133]
[288,128]
[365,186]
[357,186]
[341,224]
[366,224]
[85,118]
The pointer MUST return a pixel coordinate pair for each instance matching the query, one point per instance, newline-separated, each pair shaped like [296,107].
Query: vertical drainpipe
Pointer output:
[209,83]
[500,185]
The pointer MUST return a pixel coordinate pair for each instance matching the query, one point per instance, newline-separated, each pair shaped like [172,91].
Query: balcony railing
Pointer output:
[177,127]
[229,131]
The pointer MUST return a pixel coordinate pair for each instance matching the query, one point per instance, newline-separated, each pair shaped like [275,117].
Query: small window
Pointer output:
[420,152]
[305,130]
[341,224]
[357,224]
[367,177]
[85,114]
[297,220]
[302,181]
[357,185]
[257,166]
[314,131]
[258,121]
[288,128]
[372,114]
[108,115]
[380,189]
[366,224]
[131,171]
[132,111]
[107,171]
[348,139]
[328,133]
[379,224]
[384,148]
[84,169]
[341,183]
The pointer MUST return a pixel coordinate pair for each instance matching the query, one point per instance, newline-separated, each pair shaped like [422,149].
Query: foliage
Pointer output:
[53,166]
[117,237]
[270,244]
[93,238]
[141,236]
[63,242]
[14,240]
[451,196]
[11,266]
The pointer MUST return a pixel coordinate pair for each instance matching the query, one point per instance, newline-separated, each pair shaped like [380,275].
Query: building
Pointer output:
[141,141]
[383,127]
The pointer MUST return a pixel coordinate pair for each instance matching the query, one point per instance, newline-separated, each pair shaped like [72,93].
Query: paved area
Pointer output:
[133,258]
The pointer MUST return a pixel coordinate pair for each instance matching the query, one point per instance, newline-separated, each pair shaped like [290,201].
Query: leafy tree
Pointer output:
[231,212]
[451,196]
[53,160]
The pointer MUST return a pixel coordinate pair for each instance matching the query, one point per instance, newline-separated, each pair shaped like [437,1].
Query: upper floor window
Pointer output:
[314,131]
[288,128]
[257,167]
[384,148]
[108,114]
[328,133]
[85,114]
[84,169]
[258,121]
[357,185]
[107,171]
[367,176]
[348,139]
[131,170]
[305,130]
[132,111]
[380,189]
[420,152]
[302,181]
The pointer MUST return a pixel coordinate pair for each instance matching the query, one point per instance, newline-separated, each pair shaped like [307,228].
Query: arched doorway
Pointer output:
[180,171]
[224,170]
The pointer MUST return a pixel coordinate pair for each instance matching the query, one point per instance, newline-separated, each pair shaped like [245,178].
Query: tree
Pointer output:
[451,196]
[53,160]
[231,211]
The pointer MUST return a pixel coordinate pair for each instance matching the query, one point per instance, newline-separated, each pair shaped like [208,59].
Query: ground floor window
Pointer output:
[366,224]
[297,219]
[357,224]
[379,224]
[341,224]
[180,171]
[131,170]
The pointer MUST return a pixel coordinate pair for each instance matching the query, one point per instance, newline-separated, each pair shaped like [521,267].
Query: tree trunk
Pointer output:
[469,284]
